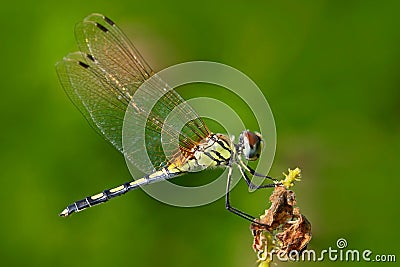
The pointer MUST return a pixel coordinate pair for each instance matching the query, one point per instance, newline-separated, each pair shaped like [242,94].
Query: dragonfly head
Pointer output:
[251,144]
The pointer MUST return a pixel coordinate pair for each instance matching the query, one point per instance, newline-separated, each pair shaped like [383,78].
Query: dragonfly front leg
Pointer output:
[253,172]
[250,184]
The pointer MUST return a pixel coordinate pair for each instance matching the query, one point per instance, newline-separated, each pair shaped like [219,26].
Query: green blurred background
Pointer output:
[329,70]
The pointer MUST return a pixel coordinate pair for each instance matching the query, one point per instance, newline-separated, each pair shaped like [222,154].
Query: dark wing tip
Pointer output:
[83,64]
[101,27]
[89,56]
[109,21]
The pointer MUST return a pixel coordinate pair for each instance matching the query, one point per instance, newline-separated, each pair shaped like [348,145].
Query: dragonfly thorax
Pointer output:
[215,150]
[218,150]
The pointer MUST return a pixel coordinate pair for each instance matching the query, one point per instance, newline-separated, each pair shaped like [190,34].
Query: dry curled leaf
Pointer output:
[282,228]
[296,235]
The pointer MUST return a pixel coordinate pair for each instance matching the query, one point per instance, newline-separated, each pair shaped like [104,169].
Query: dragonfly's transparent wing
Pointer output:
[159,122]
[102,105]
[112,51]
[102,79]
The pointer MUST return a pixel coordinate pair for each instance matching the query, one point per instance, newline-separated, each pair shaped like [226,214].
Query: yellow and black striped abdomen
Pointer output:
[216,150]
[163,174]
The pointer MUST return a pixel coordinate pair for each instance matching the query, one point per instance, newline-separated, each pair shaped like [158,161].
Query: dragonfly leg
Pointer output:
[253,172]
[227,202]
[235,210]
[250,184]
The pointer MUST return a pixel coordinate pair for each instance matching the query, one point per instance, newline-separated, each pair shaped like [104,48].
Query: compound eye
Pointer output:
[252,144]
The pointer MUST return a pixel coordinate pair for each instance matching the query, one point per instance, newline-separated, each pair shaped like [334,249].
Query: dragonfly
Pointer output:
[101,80]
